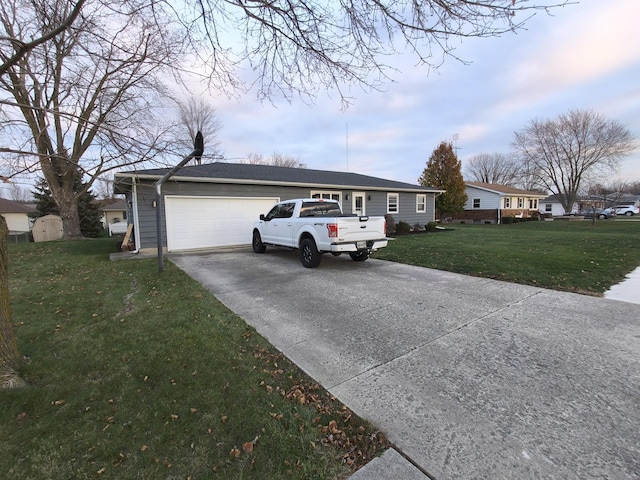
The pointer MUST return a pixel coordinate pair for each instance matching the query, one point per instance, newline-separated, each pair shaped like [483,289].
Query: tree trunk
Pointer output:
[9,356]
[68,206]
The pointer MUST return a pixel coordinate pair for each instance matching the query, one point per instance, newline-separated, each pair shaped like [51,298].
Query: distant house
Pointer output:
[490,203]
[215,205]
[114,210]
[17,215]
[553,206]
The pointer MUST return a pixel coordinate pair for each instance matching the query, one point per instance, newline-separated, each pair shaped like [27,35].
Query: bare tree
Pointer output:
[80,96]
[85,100]
[13,49]
[495,168]
[565,151]
[277,159]
[633,188]
[196,115]
[20,194]
[307,46]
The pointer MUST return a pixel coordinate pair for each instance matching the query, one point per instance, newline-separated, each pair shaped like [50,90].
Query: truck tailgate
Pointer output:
[354,229]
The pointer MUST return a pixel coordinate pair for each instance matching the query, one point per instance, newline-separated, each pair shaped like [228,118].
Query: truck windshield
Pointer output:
[319,209]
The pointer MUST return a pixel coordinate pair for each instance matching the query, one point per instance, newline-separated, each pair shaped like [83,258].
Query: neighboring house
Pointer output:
[610,200]
[114,210]
[489,203]
[552,205]
[17,215]
[214,205]
[628,199]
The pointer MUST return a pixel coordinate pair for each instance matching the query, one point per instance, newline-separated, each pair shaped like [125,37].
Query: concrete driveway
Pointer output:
[470,378]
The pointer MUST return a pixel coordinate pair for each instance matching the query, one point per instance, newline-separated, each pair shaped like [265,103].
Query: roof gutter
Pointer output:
[198,150]
[243,181]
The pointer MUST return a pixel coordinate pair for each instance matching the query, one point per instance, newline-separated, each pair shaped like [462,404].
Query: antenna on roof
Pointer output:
[455,143]
[347,143]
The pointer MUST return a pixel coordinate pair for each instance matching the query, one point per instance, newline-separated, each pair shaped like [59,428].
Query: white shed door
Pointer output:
[204,222]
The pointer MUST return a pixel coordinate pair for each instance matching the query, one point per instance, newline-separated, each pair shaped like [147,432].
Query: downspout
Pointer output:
[198,149]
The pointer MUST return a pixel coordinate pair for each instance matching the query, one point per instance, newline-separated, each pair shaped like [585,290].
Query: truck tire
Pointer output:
[309,255]
[360,256]
[258,246]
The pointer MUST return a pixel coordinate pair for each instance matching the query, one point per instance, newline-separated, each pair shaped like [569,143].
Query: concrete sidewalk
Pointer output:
[468,377]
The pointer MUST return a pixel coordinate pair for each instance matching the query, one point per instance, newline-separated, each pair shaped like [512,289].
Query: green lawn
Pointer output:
[135,374]
[575,256]
[139,375]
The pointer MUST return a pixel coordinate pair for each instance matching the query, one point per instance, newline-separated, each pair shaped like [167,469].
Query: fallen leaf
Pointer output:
[235,452]
[173,416]
[247,447]
[144,448]
[333,427]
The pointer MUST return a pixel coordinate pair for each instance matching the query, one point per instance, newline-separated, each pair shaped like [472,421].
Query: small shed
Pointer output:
[47,228]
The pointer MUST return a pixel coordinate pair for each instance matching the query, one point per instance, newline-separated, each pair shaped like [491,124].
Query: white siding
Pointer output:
[488,200]
[17,222]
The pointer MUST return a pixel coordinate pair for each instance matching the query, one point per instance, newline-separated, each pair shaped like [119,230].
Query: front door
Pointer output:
[358,204]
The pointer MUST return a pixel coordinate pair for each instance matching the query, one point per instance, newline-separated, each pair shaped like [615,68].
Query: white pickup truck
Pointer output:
[316,226]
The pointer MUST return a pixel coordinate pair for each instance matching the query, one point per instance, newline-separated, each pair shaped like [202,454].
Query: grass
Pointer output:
[135,374]
[575,256]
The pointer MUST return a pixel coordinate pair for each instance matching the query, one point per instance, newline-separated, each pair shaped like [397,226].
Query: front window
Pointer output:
[476,203]
[548,207]
[520,202]
[393,202]
[421,203]
[507,202]
[533,203]
[329,195]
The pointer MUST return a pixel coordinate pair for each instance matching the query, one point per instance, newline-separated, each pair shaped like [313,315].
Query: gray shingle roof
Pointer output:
[9,206]
[269,174]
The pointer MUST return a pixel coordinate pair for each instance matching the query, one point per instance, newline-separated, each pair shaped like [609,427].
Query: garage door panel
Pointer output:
[205,222]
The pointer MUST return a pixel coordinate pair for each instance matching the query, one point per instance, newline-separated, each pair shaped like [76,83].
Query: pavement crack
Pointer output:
[436,339]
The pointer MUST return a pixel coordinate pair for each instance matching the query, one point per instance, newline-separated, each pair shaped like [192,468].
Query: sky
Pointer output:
[583,56]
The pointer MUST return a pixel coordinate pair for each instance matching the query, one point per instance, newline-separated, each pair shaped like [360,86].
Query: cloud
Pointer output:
[585,55]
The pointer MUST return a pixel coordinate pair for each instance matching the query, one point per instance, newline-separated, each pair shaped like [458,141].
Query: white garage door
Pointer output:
[204,222]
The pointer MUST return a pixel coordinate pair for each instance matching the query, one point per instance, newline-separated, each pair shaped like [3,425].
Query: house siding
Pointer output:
[377,206]
[17,222]
[488,200]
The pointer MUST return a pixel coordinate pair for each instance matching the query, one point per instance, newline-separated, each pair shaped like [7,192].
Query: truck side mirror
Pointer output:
[262,216]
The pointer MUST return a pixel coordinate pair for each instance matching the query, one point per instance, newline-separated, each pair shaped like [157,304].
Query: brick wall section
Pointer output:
[476,216]
[489,216]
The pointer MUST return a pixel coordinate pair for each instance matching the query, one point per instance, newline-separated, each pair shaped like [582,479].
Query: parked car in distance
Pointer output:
[629,210]
[601,213]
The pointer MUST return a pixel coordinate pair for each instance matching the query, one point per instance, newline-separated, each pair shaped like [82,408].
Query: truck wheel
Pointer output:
[309,255]
[258,246]
[360,256]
